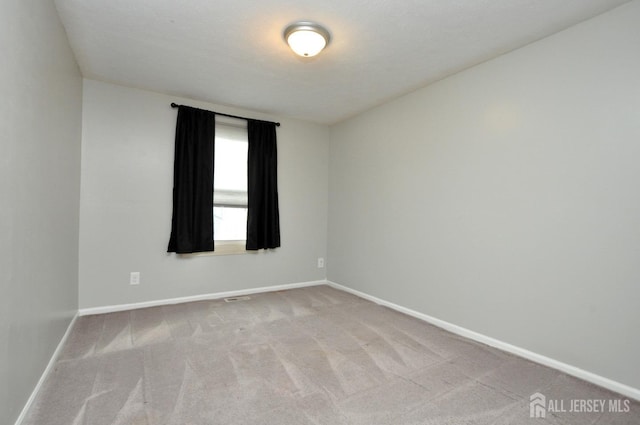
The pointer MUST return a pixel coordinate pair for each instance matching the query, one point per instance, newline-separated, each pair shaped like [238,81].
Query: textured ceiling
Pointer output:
[232,52]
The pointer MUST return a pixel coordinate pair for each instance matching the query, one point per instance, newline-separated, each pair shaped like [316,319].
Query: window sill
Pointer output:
[226,248]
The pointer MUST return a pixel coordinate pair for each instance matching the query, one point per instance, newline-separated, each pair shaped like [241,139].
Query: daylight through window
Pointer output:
[230,183]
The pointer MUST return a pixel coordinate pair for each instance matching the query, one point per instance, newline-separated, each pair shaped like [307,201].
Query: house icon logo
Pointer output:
[537,406]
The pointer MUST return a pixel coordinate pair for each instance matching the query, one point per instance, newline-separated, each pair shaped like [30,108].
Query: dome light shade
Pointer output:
[306,38]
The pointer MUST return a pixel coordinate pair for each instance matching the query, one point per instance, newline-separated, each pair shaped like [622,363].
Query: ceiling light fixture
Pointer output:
[306,38]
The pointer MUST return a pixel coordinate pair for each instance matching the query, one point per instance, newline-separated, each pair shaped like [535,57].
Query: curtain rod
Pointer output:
[175,105]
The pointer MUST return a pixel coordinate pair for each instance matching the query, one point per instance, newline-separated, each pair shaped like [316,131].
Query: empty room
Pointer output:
[303,212]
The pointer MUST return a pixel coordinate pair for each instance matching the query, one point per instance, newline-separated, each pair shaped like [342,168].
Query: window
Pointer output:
[194,203]
[230,187]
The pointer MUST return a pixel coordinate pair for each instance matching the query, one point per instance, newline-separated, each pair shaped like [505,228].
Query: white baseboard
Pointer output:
[47,370]
[211,296]
[601,381]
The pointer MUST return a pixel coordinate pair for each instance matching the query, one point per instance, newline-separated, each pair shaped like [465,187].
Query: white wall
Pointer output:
[505,199]
[127,179]
[40,119]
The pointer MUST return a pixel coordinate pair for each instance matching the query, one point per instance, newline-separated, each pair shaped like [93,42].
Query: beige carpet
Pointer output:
[305,356]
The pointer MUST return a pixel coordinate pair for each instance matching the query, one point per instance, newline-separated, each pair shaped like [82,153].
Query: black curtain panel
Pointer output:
[192,222]
[263,217]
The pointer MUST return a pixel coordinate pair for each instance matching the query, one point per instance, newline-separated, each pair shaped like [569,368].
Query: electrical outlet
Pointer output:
[320,262]
[134,278]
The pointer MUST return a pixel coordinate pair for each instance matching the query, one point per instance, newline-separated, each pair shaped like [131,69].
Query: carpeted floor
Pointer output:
[305,356]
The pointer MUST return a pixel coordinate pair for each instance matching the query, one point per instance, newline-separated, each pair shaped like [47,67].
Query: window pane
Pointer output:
[229,224]
[230,165]
[230,183]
